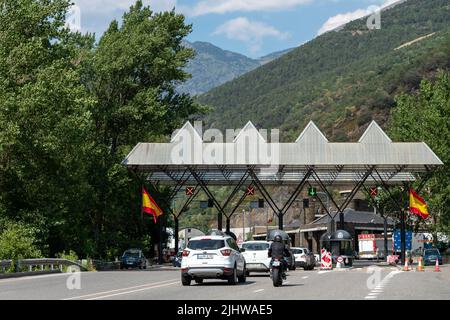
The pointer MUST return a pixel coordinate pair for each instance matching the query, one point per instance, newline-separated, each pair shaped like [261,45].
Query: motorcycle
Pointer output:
[276,272]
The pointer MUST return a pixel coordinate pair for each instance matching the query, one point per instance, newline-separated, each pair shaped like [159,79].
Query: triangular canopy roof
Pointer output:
[374,134]
[311,134]
[340,161]
[187,130]
[249,130]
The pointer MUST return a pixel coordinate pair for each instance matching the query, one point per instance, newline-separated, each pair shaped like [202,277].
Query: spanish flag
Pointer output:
[149,205]
[417,205]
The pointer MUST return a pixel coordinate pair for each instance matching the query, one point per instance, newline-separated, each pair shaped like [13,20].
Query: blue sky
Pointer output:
[251,27]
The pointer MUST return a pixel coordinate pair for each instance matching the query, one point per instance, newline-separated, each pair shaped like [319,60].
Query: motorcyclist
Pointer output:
[279,250]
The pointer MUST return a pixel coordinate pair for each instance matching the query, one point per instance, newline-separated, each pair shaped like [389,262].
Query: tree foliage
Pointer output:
[425,116]
[71,109]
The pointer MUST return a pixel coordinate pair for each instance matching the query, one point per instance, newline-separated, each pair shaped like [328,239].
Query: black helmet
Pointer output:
[277,238]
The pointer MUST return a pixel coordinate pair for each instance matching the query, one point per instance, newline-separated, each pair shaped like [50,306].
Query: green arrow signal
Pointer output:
[312,192]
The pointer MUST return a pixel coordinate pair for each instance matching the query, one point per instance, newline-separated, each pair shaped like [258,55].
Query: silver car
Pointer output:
[212,257]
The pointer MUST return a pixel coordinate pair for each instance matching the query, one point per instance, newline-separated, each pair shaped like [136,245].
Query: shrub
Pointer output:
[17,241]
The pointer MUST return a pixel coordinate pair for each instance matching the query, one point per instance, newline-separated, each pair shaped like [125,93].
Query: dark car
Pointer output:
[133,258]
[430,256]
[176,261]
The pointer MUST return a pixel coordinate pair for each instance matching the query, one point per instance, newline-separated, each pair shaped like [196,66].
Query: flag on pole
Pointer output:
[149,205]
[417,205]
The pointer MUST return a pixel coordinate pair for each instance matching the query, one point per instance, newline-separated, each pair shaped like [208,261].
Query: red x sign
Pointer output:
[373,192]
[250,190]
[190,191]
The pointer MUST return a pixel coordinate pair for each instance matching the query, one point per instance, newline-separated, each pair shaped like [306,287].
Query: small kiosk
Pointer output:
[340,244]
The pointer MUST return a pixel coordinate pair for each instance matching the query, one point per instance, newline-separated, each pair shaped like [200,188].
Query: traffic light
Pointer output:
[305,203]
[312,192]
[261,203]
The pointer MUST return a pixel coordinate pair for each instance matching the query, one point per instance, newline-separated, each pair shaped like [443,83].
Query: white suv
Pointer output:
[212,257]
[256,256]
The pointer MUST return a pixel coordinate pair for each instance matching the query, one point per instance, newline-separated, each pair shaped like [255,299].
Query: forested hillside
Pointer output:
[212,66]
[342,80]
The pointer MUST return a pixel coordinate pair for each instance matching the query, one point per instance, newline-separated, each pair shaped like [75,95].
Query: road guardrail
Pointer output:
[5,264]
[51,263]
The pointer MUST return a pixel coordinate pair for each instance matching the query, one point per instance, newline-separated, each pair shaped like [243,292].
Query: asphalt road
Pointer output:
[360,283]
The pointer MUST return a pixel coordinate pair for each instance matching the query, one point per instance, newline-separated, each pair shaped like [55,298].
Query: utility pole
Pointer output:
[385,237]
[243,225]
[160,259]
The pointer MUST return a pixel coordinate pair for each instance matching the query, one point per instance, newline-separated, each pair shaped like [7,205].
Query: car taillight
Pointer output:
[226,252]
[185,253]
[303,256]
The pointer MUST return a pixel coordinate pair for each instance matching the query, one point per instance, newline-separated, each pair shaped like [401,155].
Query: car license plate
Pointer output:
[276,263]
[204,256]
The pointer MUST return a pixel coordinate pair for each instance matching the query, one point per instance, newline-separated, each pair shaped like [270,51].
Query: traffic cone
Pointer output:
[406,267]
[436,267]
[420,266]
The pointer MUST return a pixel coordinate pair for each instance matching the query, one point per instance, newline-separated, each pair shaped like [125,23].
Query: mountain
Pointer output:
[272,56]
[213,66]
[342,79]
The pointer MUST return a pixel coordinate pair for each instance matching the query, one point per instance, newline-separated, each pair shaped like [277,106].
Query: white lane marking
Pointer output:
[259,290]
[379,288]
[36,277]
[132,291]
[116,290]
[305,277]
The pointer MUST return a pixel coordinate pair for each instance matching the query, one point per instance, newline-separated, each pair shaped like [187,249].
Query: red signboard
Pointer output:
[190,191]
[250,190]
[369,236]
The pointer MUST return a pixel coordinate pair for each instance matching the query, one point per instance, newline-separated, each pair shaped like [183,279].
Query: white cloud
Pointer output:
[250,32]
[344,18]
[105,6]
[225,6]
[341,19]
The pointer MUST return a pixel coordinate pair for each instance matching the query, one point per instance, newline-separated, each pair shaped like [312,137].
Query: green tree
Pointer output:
[70,110]
[425,116]
[18,241]
[44,114]
[132,74]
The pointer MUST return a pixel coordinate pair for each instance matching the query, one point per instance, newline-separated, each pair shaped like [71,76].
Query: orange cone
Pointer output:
[406,267]
[436,267]
[420,266]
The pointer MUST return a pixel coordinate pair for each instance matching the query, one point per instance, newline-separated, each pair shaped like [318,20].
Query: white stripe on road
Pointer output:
[379,288]
[259,290]
[116,290]
[35,277]
[132,291]
[305,277]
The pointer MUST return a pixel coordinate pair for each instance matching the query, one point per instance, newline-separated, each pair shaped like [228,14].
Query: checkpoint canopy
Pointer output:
[237,157]
[274,163]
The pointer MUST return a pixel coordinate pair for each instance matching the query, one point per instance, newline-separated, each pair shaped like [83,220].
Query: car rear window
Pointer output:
[131,253]
[206,244]
[255,246]
[432,252]
[297,251]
